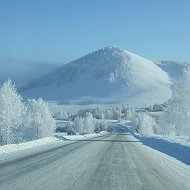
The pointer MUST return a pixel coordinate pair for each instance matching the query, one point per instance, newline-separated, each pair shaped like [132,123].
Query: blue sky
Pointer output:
[63,30]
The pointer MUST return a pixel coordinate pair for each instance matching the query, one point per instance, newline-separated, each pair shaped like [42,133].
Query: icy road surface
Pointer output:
[117,161]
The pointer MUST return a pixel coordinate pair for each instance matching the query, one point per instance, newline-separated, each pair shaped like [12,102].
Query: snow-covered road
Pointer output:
[117,161]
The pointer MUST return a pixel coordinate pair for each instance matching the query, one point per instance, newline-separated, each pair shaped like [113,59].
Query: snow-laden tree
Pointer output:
[113,113]
[12,112]
[22,122]
[101,125]
[176,118]
[146,124]
[128,113]
[79,124]
[108,114]
[88,122]
[71,129]
[42,123]
[143,123]
[98,113]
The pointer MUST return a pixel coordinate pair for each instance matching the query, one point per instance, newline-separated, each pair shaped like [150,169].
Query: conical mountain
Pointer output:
[108,75]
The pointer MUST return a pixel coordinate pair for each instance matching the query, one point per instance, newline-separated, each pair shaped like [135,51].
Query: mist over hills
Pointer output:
[109,75]
[22,72]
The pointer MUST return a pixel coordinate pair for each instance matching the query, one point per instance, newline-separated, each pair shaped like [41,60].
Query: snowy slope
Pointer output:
[109,75]
[173,68]
[21,72]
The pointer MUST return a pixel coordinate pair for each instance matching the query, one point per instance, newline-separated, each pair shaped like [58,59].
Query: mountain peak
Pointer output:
[110,49]
[112,54]
[113,48]
[106,55]
[110,74]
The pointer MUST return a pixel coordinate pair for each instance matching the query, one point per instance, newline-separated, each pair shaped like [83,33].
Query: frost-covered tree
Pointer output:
[128,113]
[89,124]
[176,118]
[146,124]
[42,123]
[101,125]
[116,113]
[108,114]
[20,121]
[71,128]
[79,124]
[98,113]
[12,112]
[143,123]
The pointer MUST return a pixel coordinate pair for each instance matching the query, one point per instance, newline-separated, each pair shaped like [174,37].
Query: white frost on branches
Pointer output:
[176,119]
[21,121]
[12,111]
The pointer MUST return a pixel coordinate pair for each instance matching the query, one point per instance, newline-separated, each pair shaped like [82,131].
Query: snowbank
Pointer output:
[172,146]
[14,150]
[27,145]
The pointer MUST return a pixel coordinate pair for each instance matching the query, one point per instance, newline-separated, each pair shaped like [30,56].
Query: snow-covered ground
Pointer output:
[182,140]
[14,150]
[11,149]
[175,147]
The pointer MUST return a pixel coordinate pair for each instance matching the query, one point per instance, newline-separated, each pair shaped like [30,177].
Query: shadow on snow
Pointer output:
[178,151]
